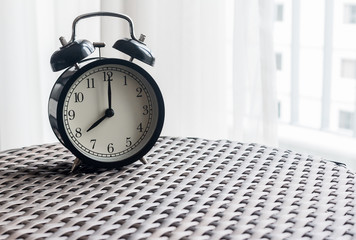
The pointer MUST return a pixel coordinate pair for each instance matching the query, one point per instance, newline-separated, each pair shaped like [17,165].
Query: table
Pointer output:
[191,188]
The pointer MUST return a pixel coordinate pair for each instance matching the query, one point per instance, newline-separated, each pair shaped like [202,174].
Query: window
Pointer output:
[279,13]
[278,61]
[346,120]
[317,85]
[350,13]
[348,68]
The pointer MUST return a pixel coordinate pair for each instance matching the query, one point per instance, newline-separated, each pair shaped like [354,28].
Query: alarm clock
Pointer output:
[108,112]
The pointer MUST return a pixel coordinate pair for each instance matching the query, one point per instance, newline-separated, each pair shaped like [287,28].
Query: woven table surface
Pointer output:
[190,189]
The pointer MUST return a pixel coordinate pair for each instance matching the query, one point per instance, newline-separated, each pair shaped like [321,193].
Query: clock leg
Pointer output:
[76,164]
[143,160]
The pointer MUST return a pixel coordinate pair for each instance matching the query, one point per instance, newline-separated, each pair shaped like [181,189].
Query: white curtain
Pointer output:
[255,104]
[29,35]
[214,63]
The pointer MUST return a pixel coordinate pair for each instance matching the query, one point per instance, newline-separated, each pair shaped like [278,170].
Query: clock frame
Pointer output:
[57,103]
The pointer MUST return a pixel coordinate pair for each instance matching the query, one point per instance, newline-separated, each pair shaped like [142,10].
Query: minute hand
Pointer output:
[109,93]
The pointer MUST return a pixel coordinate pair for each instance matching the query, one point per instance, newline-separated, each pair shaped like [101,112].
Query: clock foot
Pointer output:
[143,160]
[75,165]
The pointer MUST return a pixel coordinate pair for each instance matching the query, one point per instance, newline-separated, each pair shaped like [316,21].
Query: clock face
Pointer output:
[112,112]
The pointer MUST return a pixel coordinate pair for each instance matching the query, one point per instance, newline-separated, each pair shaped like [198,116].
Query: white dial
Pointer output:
[110,113]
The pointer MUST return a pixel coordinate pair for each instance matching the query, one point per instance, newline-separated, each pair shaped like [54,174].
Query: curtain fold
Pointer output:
[214,63]
[255,103]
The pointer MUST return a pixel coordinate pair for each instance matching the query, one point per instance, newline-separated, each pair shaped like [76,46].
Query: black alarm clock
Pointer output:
[108,112]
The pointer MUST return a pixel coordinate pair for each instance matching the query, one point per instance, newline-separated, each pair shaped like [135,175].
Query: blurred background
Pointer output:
[281,73]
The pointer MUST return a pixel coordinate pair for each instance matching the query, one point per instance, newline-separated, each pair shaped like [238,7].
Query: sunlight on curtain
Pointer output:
[214,63]
[213,87]
[189,39]
[255,103]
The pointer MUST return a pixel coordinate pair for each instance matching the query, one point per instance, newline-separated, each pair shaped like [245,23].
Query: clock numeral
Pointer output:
[110,148]
[108,76]
[125,81]
[139,92]
[78,97]
[90,83]
[145,109]
[93,141]
[140,128]
[71,114]
[78,132]
[128,142]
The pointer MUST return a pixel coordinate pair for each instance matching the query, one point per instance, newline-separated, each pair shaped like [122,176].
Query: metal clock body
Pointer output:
[108,113]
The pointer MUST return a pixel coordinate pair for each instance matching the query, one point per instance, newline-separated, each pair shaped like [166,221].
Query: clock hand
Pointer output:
[109,93]
[96,123]
[108,114]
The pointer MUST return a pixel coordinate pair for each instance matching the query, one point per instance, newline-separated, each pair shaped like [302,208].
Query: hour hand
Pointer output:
[108,114]
[96,123]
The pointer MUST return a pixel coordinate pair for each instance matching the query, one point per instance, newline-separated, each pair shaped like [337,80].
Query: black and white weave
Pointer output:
[190,189]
